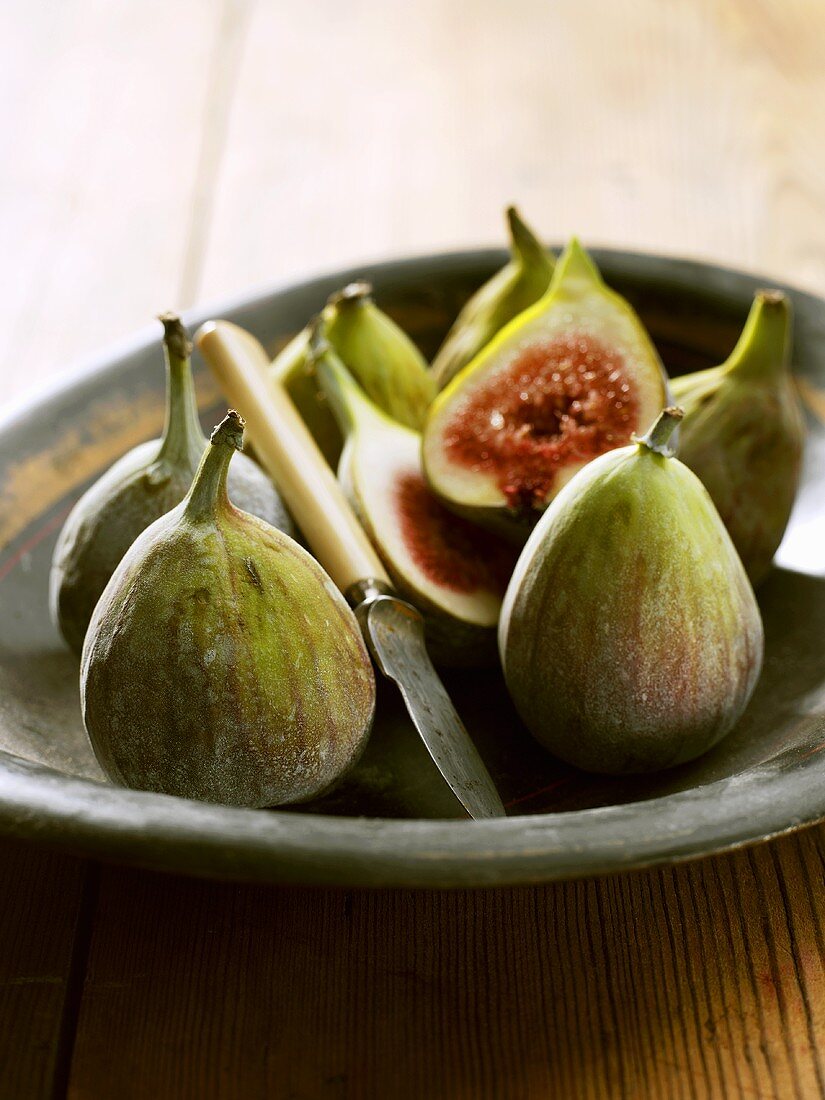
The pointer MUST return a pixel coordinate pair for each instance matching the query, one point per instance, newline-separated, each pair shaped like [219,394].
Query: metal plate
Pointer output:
[389,824]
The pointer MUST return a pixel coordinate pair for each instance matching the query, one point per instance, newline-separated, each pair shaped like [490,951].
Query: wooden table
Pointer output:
[160,154]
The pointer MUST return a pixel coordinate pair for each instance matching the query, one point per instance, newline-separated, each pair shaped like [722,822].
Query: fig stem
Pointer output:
[524,245]
[352,293]
[657,438]
[574,264]
[182,433]
[763,348]
[208,490]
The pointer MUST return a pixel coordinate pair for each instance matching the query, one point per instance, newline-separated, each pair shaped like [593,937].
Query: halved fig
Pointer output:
[572,377]
[452,571]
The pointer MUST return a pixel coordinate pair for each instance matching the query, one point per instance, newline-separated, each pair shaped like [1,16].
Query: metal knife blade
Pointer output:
[394,633]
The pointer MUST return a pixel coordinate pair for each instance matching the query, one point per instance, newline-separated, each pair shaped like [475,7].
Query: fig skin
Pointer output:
[517,285]
[221,662]
[378,353]
[630,636]
[499,458]
[140,487]
[379,460]
[743,433]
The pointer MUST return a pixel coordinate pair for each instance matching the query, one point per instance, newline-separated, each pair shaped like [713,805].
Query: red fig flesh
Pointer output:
[569,379]
[453,571]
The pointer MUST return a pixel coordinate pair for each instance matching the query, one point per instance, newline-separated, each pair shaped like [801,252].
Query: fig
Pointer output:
[630,636]
[570,378]
[221,662]
[140,487]
[380,356]
[744,433]
[453,572]
[520,283]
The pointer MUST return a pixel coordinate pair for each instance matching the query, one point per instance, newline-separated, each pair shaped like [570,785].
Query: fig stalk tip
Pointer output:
[658,436]
[175,337]
[229,431]
[356,292]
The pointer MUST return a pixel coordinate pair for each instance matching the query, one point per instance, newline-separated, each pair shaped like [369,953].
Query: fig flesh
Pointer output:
[520,283]
[570,378]
[380,356]
[221,662]
[744,433]
[142,486]
[454,572]
[630,636]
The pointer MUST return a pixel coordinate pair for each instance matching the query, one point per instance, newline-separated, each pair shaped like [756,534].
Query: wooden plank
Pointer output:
[102,112]
[377,130]
[706,980]
[237,143]
[44,921]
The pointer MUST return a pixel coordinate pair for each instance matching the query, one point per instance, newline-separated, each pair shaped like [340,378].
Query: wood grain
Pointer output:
[240,142]
[44,920]
[163,153]
[102,111]
[706,980]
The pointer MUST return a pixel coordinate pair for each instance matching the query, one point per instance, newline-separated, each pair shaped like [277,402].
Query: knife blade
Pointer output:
[394,633]
[392,628]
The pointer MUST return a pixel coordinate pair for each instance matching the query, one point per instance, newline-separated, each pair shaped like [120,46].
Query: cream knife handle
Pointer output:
[290,454]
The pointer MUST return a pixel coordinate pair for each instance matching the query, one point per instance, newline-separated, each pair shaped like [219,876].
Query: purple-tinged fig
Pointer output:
[630,636]
[744,432]
[221,662]
[140,487]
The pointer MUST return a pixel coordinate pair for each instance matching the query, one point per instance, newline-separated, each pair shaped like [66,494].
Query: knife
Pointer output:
[393,629]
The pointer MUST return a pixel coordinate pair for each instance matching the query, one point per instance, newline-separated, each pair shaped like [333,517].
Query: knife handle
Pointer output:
[290,454]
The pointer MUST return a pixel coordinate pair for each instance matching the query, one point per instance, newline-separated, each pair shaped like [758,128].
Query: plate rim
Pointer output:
[203,839]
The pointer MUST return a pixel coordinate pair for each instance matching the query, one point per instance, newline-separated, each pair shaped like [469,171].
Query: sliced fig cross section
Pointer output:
[453,571]
[572,377]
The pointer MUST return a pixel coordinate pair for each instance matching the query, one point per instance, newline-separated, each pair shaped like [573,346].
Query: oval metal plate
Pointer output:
[390,824]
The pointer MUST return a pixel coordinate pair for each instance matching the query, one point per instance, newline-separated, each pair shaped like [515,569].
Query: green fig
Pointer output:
[143,485]
[452,571]
[570,378]
[221,662]
[744,433]
[292,368]
[381,357]
[630,636]
[520,283]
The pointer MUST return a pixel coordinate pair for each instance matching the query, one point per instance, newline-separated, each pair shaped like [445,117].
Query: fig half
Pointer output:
[570,378]
[744,433]
[452,571]
[630,635]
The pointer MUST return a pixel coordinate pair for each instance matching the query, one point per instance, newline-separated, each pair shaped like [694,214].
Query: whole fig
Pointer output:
[520,283]
[744,433]
[143,485]
[630,635]
[221,663]
[379,355]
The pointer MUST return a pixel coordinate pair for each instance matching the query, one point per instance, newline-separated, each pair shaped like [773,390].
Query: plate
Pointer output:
[391,823]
